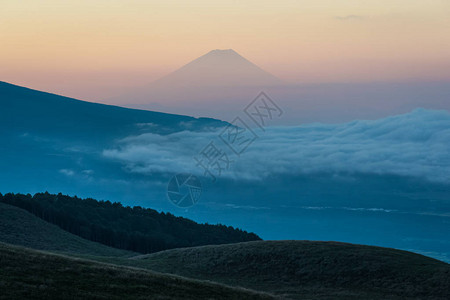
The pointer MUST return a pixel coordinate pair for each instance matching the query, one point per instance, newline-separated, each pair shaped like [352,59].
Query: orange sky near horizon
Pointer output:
[93,49]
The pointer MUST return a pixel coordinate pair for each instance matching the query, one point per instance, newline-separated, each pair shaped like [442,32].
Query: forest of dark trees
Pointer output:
[135,228]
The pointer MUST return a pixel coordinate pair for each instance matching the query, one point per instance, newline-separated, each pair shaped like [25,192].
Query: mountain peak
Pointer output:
[220,51]
[220,67]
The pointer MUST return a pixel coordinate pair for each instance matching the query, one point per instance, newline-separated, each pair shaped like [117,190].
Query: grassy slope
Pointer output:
[297,269]
[20,227]
[31,274]
[310,270]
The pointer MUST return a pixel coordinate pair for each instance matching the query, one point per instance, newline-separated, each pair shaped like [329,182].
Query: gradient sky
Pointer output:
[92,49]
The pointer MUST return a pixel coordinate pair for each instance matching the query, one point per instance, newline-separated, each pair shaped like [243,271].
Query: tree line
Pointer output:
[138,229]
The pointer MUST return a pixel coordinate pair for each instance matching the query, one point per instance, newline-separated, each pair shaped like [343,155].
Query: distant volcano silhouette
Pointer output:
[218,78]
[219,68]
[221,83]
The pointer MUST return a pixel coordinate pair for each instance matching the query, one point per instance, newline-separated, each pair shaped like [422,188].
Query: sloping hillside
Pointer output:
[48,115]
[28,274]
[311,270]
[136,229]
[50,142]
[20,227]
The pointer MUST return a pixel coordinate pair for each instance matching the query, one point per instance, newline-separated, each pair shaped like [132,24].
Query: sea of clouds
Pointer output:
[416,144]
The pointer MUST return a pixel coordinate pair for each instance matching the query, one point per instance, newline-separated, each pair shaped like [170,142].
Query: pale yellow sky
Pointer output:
[89,49]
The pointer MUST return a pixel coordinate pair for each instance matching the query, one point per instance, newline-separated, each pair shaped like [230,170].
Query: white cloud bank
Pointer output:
[415,144]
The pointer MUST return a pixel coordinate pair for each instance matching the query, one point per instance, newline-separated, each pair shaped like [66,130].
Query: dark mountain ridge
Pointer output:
[27,111]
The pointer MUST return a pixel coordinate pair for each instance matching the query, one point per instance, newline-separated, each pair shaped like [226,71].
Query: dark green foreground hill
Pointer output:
[22,228]
[289,269]
[30,274]
[135,229]
[310,270]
